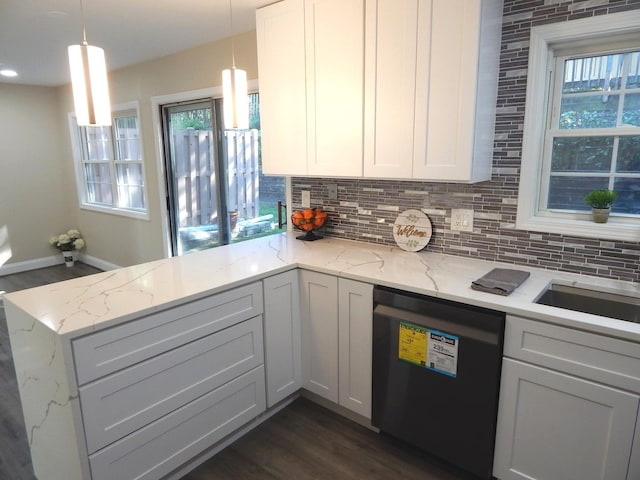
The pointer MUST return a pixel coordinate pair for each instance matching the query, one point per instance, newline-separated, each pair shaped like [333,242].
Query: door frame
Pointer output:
[156,111]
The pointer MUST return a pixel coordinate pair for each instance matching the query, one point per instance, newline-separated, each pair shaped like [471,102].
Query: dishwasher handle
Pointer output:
[446,326]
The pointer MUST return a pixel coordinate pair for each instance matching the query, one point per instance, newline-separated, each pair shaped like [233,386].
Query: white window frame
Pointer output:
[81,184]
[545,41]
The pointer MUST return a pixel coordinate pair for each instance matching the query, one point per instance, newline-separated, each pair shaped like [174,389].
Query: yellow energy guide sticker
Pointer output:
[412,345]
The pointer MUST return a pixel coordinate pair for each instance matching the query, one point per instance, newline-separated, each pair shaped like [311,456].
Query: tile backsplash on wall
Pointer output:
[366,209]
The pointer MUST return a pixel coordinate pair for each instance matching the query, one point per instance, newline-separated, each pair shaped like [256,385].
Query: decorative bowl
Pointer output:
[308,221]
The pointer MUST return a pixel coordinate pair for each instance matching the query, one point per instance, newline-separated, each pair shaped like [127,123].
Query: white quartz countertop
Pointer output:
[82,305]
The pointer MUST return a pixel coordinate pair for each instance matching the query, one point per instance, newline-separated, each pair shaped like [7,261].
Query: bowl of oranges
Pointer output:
[308,220]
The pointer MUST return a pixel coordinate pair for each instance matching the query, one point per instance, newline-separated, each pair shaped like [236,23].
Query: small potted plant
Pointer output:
[67,243]
[600,201]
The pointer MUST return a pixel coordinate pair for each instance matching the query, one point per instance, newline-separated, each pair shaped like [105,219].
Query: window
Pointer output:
[582,126]
[109,165]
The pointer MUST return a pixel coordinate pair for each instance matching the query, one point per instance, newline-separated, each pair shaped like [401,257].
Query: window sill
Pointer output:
[612,230]
[116,211]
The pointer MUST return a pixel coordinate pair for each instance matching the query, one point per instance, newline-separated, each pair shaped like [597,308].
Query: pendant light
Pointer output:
[234,91]
[89,82]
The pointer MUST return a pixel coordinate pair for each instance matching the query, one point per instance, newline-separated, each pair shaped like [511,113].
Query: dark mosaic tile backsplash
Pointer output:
[366,209]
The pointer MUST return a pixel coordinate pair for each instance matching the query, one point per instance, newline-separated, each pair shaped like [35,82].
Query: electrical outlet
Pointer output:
[306,199]
[462,220]
[332,191]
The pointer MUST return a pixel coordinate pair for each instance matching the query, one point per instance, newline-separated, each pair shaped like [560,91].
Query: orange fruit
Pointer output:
[308,213]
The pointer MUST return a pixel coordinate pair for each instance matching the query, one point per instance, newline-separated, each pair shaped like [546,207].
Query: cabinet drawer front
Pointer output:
[162,446]
[127,400]
[105,352]
[596,357]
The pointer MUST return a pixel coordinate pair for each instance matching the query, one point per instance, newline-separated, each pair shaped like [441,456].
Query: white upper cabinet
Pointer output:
[311,60]
[384,88]
[457,82]
[334,36]
[283,96]
[390,86]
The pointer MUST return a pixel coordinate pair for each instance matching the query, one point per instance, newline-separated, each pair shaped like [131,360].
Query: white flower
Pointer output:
[68,241]
[63,238]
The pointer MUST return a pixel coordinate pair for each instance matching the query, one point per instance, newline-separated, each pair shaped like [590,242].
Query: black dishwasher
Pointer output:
[436,376]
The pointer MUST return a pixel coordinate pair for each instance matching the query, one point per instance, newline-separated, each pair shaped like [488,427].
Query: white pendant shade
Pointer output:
[90,86]
[235,100]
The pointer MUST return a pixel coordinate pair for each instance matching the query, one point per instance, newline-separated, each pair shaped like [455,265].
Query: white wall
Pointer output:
[37,200]
[40,200]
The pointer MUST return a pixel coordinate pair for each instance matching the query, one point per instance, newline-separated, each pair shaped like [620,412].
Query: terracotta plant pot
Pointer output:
[600,215]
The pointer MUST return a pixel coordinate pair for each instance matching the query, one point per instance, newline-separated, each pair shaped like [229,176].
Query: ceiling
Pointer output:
[35,34]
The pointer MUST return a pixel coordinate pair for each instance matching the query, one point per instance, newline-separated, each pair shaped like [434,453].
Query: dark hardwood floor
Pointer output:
[304,441]
[308,442]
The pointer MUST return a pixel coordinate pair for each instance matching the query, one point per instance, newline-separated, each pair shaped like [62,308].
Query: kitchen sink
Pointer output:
[612,305]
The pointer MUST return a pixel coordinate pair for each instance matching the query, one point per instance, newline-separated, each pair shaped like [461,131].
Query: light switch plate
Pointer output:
[306,199]
[332,191]
[462,219]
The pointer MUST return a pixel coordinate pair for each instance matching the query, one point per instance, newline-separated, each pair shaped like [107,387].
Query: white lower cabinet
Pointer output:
[557,420]
[283,360]
[160,390]
[319,318]
[355,339]
[157,449]
[121,403]
[336,316]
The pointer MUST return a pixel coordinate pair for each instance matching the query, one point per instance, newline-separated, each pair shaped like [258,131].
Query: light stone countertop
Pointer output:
[76,307]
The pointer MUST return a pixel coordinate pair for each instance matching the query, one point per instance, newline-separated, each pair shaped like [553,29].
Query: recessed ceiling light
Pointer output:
[7,72]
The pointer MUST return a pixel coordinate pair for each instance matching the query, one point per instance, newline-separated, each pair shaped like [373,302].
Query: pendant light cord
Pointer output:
[84,30]
[233,53]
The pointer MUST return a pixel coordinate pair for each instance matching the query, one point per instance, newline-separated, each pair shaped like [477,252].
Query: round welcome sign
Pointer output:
[412,230]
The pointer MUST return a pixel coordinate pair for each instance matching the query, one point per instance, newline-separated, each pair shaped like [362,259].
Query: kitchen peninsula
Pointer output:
[62,333]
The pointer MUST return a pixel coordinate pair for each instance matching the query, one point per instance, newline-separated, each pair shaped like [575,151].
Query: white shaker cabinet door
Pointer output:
[334,36]
[456,88]
[355,305]
[281,66]
[554,426]
[390,86]
[283,358]
[319,317]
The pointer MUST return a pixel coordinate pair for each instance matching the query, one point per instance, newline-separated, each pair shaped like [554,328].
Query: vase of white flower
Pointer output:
[68,243]
[67,256]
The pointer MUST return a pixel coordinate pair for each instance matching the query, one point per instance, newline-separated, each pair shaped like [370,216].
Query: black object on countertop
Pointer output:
[309,236]
[501,281]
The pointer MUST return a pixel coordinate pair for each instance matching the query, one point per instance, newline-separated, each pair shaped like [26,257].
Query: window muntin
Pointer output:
[592,135]
[111,166]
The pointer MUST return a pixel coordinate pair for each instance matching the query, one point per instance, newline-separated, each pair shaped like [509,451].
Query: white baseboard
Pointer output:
[8,269]
[98,263]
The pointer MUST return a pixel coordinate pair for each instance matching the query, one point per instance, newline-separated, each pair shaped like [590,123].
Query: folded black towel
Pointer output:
[501,281]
